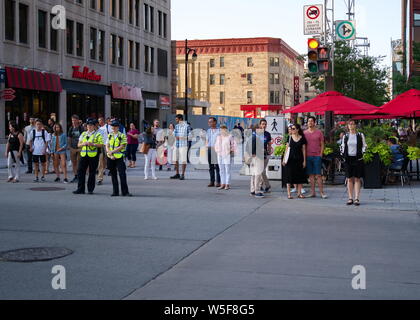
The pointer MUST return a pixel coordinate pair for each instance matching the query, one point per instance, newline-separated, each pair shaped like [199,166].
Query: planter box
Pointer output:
[373,172]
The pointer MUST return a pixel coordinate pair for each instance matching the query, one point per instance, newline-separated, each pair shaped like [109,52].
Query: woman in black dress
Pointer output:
[296,163]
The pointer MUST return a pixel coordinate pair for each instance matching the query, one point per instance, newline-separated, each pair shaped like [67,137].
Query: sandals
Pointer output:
[289,197]
[356,202]
[350,202]
[301,196]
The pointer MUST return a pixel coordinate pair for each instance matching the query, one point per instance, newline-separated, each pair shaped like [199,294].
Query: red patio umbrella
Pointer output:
[333,101]
[406,104]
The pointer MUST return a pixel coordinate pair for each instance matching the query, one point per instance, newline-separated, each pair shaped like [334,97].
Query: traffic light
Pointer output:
[313,45]
[324,59]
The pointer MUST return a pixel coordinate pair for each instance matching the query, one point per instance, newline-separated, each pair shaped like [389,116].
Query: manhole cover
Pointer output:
[47,189]
[34,254]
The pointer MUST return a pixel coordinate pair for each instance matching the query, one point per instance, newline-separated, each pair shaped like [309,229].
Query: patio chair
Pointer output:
[402,173]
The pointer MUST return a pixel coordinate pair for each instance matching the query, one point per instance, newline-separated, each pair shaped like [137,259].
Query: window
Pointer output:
[101,5]
[152,19]
[113,49]
[274,62]
[160,23]
[42,29]
[23,23]
[274,78]
[9,14]
[249,96]
[146,16]
[93,4]
[222,97]
[274,97]
[53,36]
[165,24]
[212,79]
[101,41]
[130,12]
[113,8]
[212,63]
[249,78]
[93,39]
[120,51]
[137,56]
[222,62]
[121,10]
[222,79]
[306,87]
[149,53]
[79,39]
[70,36]
[137,12]
[249,62]
[162,63]
[131,54]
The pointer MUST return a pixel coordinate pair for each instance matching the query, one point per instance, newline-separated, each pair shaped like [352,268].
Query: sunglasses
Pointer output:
[292,128]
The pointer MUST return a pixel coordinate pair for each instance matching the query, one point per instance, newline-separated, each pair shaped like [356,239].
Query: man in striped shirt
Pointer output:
[182,131]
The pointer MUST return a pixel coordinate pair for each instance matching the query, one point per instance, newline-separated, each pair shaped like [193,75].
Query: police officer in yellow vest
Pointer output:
[89,143]
[115,147]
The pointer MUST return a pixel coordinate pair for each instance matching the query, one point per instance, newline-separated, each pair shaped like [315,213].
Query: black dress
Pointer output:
[294,172]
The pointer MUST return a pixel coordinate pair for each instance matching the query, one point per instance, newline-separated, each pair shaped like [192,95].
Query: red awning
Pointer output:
[33,80]
[126,92]
[268,107]
[406,104]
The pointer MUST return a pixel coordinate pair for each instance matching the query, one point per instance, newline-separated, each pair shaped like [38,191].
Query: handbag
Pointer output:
[287,153]
[144,148]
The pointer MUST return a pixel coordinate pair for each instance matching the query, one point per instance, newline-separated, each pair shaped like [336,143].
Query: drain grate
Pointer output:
[34,254]
[47,189]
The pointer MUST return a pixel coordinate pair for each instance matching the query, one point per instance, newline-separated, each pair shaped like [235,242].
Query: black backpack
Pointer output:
[34,133]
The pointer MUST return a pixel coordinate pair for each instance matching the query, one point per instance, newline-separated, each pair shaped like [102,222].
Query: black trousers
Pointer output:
[113,166]
[29,154]
[213,165]
[85,163]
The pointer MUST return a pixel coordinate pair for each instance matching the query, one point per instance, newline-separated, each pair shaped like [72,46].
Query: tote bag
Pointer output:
[287,153]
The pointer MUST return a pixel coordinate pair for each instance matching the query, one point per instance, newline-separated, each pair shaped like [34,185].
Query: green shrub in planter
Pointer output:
[413,153]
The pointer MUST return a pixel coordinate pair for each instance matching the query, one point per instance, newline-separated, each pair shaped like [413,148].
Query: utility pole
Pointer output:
[329,38]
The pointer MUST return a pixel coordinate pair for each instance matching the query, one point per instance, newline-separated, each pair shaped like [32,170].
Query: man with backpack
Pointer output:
[73,136]
[39,139]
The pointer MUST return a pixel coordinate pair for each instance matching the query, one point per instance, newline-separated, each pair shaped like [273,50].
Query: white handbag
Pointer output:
[287,153]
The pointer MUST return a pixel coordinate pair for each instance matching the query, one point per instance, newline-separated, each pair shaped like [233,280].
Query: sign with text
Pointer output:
[296,92]
[85,74]
[313,19]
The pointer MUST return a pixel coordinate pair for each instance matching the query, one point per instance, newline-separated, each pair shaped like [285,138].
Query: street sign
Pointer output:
[276,125]
[345,30]
[8,91]
[2,75]
[313,19]
[8,97]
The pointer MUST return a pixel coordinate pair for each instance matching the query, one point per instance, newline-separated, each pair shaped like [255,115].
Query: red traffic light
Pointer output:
[313,43]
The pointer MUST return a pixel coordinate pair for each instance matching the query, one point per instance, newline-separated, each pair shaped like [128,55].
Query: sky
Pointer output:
[380,21]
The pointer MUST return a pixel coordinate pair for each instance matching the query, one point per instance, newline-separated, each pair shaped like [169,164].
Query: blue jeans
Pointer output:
[313,165]
[131,152]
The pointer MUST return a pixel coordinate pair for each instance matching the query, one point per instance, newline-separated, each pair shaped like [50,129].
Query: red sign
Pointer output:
[165,101]
[250,114]
[85,74]
[296,91]
[126,92]
[313,12]
[8,91]
[8,97]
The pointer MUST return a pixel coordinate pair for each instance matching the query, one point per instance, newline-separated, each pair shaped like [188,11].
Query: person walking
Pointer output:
[27,136]
[73,136]
[89,142]
[353,146]
[295,164]
[133,145]
[254,158]
[58,147]
[314,151]
[115,146]
[211,136]
[39,145]
[170,145]
[149,140]
[265,183]
[14,152]
[182,132]
[225,147]
[160,140]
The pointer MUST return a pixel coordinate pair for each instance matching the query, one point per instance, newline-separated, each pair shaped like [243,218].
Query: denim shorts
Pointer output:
[313,165]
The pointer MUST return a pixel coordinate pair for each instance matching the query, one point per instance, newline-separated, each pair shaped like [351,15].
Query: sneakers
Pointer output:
[42,179]
[74,180]
[127,195]
[146,178]
[154,178]
[252,194]
[182,177]
[294,191]
[267,190]
[99,183]
[259,195]
[66,180]
[177,176]
[57,179]
[36,179]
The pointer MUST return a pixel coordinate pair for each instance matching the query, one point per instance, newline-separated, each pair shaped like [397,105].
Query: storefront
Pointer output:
[125,104]
[151,107]
[37,94]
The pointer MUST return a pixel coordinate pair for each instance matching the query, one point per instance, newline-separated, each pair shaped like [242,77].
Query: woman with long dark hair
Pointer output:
[295,164]
[14,148]
[58,151]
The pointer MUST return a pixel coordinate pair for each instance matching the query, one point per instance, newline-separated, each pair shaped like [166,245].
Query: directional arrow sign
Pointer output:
[8,97]
[9,91]
[345,30]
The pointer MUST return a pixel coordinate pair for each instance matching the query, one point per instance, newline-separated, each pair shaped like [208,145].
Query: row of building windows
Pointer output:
[274,78]
[274,97]
[274,62]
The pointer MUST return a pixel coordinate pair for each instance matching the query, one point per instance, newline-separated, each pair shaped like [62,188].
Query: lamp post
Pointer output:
[194,57]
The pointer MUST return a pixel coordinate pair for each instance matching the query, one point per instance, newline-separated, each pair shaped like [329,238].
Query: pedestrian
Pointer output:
[225,147]
[211,136]
[89,142]
[149,148]
[133,145]
[314,151]
[295,163]
[160,140]
[265,183]
[39,140]
[182,132]
[14,151]
[73,136]
[58,149]
[27,136]
[105,129]
[353,146]
[254,158]
[115,147]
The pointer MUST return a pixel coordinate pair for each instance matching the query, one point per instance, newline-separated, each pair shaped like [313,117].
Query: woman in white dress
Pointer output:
[225,147]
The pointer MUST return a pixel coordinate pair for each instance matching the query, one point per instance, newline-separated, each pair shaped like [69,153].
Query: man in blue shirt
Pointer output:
[211,136]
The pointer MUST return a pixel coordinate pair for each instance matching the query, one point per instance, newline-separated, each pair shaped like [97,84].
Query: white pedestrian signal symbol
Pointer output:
[274,125]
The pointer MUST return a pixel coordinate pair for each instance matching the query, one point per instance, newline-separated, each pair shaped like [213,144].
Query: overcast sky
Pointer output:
[209,19]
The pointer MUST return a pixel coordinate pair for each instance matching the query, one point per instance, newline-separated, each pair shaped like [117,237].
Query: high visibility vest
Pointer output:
[96,138]
[115,142]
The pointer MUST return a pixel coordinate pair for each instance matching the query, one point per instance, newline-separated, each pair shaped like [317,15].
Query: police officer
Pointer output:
[89,142]
[115,147]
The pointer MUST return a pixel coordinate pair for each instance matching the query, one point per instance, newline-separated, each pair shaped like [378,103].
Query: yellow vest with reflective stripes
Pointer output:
[96,138]
[115,142]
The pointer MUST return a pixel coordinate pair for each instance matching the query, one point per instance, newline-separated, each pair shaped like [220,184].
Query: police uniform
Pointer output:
[89,158]
[115,161]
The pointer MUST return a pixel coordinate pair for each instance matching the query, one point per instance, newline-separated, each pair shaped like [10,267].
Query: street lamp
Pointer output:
[194,57]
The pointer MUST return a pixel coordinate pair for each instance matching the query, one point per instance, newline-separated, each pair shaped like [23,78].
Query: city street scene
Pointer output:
[213,151]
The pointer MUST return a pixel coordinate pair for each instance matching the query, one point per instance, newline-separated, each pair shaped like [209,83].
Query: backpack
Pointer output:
[34,134]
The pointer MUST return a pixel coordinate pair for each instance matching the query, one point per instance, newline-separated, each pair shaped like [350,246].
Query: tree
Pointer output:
[356,76]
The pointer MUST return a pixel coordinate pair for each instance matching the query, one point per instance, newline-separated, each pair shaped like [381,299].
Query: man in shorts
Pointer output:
[39,139]
[182,131]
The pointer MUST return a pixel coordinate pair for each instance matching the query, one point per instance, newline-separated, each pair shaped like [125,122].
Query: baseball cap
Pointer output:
[115,123]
